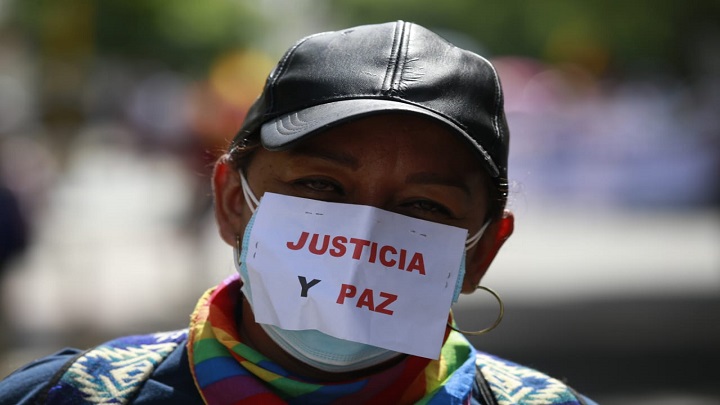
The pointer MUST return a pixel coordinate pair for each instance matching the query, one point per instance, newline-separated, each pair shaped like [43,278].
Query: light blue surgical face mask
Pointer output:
[310,346]
[313,347]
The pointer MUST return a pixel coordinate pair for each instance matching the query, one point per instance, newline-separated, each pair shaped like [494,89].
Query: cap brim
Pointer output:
[284,131]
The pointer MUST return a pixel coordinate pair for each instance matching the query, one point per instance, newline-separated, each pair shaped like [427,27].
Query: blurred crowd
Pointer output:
[649,142]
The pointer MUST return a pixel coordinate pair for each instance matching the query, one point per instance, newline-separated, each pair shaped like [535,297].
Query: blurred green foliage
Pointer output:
[606,36]
[184,34]
[625,35]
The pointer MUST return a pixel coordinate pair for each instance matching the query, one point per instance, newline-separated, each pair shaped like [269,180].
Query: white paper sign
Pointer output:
[354,272]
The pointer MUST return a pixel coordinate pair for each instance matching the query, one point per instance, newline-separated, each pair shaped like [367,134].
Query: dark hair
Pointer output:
[240,154]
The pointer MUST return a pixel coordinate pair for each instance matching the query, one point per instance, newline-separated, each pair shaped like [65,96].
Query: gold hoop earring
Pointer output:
[491,327]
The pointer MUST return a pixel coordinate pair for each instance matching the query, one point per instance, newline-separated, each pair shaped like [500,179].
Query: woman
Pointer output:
[365,191]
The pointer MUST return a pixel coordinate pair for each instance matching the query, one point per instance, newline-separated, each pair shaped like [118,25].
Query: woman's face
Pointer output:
[401,163]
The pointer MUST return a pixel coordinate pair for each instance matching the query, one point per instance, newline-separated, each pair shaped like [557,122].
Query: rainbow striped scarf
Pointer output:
[226,371]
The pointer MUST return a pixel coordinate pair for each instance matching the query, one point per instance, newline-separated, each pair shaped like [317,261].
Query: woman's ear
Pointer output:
[480,258]
[230,208]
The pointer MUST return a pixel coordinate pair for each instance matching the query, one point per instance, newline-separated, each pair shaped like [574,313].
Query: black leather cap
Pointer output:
[333,77]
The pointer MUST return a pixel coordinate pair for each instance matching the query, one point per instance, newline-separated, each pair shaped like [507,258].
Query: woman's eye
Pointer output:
[320,185]
[429,206]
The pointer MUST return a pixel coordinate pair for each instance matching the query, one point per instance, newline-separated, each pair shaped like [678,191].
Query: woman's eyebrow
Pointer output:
[339,158]
[438,179]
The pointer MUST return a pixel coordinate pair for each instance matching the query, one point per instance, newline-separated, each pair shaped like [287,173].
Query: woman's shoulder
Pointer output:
[25,383]
[144,367]
[511,382]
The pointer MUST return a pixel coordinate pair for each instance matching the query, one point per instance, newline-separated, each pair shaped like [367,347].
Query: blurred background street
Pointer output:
[112,114]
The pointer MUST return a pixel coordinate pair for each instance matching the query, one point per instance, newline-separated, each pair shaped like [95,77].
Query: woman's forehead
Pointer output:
[401,144]
[393,132]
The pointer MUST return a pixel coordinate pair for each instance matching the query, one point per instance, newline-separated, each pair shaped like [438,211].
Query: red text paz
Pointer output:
[367,299]
[340,246]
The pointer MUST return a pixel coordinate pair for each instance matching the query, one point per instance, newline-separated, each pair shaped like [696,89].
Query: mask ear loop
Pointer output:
[250,198]
[473,240]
